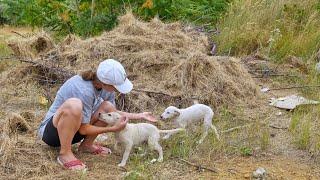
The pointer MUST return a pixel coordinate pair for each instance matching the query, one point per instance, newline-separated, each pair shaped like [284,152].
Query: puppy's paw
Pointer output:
[122,164]
[166,137]
[160,159]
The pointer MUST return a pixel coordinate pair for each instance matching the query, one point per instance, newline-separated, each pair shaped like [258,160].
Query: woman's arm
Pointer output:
[88,129]
[144,115]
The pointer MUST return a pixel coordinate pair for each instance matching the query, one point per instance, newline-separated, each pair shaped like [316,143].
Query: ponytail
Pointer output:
[89,75]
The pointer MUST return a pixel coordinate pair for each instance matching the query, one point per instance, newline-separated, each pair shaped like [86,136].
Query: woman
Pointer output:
[73,116]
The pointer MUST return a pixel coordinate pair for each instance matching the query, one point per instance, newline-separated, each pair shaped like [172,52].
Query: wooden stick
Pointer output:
[19,34]
[155,92]
[199,167]
[277,127]
[235,128]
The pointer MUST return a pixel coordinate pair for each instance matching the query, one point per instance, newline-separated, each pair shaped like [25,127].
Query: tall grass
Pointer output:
[274,28]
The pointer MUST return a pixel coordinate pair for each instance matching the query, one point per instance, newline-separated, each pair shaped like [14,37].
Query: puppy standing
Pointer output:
[192,114]
[134,134]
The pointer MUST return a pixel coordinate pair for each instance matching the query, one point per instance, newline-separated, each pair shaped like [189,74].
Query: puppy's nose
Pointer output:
[99,114]
[161,117]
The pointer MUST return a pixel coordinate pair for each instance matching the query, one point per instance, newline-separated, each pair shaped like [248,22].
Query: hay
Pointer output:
[166,58]
[28,116]
[17,123]
[33,46]
[8,140]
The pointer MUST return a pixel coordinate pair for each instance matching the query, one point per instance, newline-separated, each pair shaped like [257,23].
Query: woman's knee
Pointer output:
[107,106]
[70,109]
[73,104]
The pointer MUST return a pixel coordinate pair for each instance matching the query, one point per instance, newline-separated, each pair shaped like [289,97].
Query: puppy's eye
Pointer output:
[109,114]
[168,112]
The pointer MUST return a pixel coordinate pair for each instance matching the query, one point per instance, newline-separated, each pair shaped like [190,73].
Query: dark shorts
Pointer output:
[51,137]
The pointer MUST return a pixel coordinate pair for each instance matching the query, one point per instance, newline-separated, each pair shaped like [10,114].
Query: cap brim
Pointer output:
[125,88]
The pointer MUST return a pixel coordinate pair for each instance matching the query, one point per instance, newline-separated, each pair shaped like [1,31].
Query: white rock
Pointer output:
[260,173]
[264,90]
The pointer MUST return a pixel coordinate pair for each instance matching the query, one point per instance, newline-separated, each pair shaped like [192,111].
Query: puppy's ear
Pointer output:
[176,112]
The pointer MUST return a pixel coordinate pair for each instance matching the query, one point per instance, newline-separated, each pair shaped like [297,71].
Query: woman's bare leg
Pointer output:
[67,120]
[105,107]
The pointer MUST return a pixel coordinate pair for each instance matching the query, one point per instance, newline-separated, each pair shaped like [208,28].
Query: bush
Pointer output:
[89,17]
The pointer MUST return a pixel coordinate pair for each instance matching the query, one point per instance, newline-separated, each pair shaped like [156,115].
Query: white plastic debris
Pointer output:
[279,113]
[318,67]
[153,161]
[260,173]
[264,90]
[290,102]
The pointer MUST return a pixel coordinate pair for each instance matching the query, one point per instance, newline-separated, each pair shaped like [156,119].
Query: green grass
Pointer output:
[4,52]
[278,29]
[274,28]
[305,120]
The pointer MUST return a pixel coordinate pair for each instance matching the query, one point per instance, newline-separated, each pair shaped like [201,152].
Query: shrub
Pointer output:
[89,17]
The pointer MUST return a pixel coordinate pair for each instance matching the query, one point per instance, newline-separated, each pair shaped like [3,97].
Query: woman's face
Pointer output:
[108,87]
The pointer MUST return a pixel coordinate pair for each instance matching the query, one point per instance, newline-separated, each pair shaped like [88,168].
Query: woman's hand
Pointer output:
[148,116]
[121,125]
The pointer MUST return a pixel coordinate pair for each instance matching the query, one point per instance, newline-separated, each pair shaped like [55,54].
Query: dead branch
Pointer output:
[277,127]
[199,167]
[51,73]
[235,128]
[6,57]
[19,34]
[155,92]
[285,75]
[295,87]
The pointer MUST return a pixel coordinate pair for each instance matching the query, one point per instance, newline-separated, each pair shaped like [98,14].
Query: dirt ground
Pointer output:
[31,159]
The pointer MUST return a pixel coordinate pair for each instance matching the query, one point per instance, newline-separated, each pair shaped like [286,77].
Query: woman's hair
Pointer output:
[89,75]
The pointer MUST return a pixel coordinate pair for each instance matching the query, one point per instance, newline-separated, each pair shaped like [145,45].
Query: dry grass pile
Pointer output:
[33,46]
[18,123]
[165,61]
[8,140]
[18,150]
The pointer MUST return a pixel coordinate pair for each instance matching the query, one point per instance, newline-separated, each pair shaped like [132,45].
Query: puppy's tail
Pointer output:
[195,101]
[171,131]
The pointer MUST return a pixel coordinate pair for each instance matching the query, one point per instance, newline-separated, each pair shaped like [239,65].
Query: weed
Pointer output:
[246,151]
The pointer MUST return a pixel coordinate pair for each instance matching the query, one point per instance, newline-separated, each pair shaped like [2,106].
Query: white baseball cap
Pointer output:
[112,72]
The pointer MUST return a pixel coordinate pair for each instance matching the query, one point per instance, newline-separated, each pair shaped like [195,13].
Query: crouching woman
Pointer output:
[74,115]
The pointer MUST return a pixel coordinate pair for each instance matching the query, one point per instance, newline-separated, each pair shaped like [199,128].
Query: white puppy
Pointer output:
[134,134]
[185,117]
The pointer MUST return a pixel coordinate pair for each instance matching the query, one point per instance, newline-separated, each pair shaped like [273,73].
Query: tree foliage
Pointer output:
[90,17]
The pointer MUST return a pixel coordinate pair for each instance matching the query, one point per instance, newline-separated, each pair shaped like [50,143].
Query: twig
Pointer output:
[155,92]
[277,127]
[60,73]
[19,34]
[235,128]
[286,75]
[6,57]
[294,87]
[199,167]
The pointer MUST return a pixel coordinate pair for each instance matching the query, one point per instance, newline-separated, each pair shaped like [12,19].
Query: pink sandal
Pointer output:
[70,164]
[99,150]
